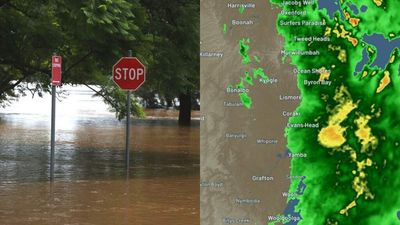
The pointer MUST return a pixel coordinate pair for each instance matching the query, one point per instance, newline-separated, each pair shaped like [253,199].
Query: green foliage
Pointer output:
[116,99]
[91,35]
[176,53]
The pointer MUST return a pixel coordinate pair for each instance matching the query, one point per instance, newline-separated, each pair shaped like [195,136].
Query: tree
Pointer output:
[90,35]
[175,72]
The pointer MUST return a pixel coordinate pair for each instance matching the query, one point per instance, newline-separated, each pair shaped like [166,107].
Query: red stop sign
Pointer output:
[129,73]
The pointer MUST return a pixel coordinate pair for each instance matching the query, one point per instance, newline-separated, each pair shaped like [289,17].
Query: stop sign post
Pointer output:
[129,74]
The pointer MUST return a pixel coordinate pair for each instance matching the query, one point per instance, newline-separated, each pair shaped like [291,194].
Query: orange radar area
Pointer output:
[384,82]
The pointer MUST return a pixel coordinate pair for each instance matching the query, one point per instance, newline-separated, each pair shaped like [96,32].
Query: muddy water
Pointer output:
[91,186]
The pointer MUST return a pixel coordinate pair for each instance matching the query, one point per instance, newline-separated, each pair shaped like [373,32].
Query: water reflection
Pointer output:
[95,148]
[137,201]
[91,186]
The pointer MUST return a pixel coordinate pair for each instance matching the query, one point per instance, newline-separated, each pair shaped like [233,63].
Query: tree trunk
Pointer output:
[170,102]
[185,107]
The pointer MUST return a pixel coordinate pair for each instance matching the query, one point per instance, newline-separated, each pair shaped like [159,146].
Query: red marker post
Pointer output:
[129,74]
[56,62]
[56,70]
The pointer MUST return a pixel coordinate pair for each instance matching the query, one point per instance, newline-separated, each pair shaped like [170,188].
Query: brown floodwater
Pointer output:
[91,186]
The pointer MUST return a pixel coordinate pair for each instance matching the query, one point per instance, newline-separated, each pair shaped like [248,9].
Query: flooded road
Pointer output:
[91,185]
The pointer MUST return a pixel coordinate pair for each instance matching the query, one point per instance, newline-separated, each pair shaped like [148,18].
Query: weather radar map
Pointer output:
[300,112]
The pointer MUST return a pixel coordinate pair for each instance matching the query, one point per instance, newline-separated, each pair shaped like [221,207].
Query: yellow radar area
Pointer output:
[371,50]
[384,82]
[364,74]
[351,205]
[328,32]
[342,111]
[342,56]
[360,183]
[332,136]
[341,32]
[392,58]
[324,74]
[378,2]
[364,135]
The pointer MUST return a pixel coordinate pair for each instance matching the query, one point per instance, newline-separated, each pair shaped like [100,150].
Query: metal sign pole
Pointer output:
[53,130]
[128,124]
[129,74]
[128,128]
[55,81]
